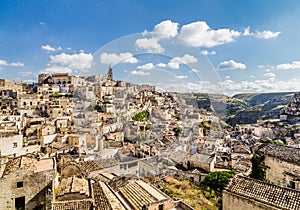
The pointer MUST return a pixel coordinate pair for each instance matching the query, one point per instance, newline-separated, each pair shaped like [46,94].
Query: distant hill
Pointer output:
[244,108]
[253,99]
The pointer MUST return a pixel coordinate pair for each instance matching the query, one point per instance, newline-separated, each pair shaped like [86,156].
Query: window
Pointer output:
[15,144]
[19,184]
[161,207]
[292,185]
[20,203]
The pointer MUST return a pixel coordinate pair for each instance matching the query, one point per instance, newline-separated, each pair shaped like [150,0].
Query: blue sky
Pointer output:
[250,46]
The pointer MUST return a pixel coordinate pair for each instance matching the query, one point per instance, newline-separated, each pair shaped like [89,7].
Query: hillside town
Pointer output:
[92,142]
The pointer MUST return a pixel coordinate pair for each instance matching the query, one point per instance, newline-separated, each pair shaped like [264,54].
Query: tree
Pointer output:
[218,180]
[258,168]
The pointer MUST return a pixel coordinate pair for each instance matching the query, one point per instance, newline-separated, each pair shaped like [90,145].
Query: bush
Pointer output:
[142,116]
[218,180]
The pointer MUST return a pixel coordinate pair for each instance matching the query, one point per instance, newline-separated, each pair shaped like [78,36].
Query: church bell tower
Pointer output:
[110,73]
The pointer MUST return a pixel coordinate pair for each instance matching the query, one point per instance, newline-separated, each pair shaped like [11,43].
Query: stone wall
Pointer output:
[11,145]
[232,201]
[281,172]
[35,187]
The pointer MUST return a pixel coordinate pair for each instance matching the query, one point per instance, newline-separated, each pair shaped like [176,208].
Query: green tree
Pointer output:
[142,116]
[218,180]
[258,168]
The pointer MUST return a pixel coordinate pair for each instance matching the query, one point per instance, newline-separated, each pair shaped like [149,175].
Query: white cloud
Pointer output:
[289,66]
[161,65]
[74,61]
[3,63]
[181,77]
[267,34]
[186,59]
[42,23]
[26,73]
[48,48]
[15,64]
[140,73]
[231,64]
[56,69]
[149,44]
[206,52]
[270,75]
[194,70]
[199,34]
[146,66]
[232,87]
[29,81]
[247,32]
[113,58]
[165,29]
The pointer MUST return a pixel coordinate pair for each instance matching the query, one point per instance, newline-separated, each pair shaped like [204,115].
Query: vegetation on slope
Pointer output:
[218,180]
[179,189]
[141,116]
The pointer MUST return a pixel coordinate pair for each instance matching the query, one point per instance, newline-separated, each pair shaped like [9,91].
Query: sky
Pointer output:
[223,46]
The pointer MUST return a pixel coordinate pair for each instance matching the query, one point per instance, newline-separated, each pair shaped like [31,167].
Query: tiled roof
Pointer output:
[139,194]
[288,154]
[101,202]
[29,163]
[105,198]
[89,166]
[73,205]
[273,195]
[74,185]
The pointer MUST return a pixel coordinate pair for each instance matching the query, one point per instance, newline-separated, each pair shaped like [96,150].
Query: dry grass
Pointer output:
[185,190]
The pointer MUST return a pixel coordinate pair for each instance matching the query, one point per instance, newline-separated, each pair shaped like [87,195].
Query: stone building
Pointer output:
[247,193]
[26,182]
[11,144]
[282,165]
[291,112]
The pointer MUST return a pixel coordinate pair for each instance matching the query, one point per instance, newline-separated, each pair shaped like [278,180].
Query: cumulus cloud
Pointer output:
[199,34]
[232,87]
[56,69]
[161,65]
[14,64]
[181,77]
[186,59]
[270,75]
[3,63]
[113,58]
[267,34]
[73,61]
[289,66]
[140,73]
[17,64]
[48,48]
[146,66]
[149,44]
[206,52]
[165,29]
[231,64]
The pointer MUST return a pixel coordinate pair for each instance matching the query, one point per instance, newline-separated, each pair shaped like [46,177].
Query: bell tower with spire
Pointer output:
[110,73]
